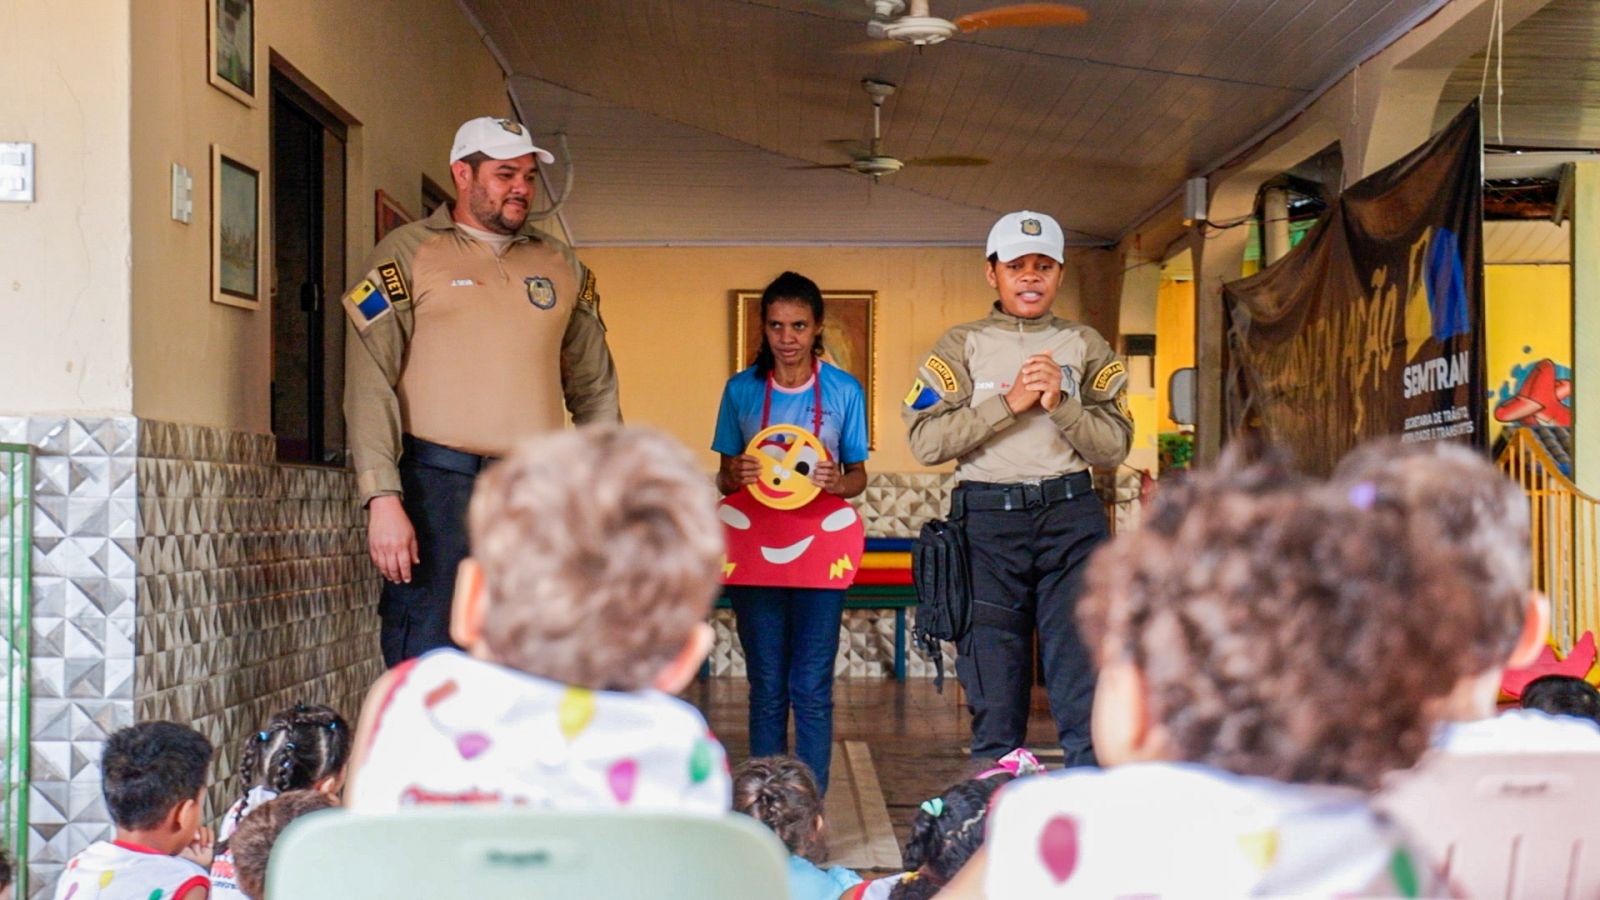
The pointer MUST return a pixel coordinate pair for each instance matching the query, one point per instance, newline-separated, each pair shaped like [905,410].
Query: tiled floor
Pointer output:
[917,737]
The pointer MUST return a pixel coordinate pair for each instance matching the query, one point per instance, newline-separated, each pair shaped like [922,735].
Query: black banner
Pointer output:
[1373,325]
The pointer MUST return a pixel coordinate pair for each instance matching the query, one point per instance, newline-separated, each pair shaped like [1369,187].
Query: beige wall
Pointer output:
[408,74]
[669,315]
[64,258]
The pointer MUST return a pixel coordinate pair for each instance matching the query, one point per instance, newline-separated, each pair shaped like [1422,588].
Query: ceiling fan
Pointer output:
[870,160]
[909,21]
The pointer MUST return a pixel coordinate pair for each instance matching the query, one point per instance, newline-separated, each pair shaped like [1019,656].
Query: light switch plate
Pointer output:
[16,172]
[182,195]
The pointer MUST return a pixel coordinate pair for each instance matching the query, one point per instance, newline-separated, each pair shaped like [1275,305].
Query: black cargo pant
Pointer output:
[437,481]
[1027,566]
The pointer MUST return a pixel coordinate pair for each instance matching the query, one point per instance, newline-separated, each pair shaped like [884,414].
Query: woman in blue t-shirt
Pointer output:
[791,635]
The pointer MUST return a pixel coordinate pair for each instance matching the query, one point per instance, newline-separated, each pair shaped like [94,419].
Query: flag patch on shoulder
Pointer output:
[366,303]
[921,396]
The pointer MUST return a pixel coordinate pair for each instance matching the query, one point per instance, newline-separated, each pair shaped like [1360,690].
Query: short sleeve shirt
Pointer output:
[844,419]
[117,870]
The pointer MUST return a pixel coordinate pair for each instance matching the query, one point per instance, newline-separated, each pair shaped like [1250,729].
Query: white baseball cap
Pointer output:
[1020,233]
[496,139]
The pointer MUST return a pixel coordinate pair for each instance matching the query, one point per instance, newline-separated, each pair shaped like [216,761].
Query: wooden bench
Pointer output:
[898,597]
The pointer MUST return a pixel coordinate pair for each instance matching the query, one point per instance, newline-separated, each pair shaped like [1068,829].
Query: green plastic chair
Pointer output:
[449,852]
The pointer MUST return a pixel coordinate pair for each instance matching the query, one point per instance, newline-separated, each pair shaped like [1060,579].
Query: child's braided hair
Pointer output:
[945,833]
[297,748]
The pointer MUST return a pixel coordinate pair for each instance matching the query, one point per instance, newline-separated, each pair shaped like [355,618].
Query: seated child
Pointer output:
[299,748]
[1478,518]
[781,793]
[1263,662]
[946,831]
[153,777]
[252,843]
[596,555]
[1563,695]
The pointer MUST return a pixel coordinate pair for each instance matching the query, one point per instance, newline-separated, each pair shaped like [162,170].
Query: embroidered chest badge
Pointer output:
[541,292]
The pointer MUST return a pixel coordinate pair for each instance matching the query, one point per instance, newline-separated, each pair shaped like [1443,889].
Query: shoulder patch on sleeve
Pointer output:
[365,304]
[1122,405]
[1112,377]
[1103,378]
[942,371]
[394,283]
[921,396]
[587,293]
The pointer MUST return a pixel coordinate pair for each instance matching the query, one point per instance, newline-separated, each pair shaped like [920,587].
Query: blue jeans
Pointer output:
[790,638]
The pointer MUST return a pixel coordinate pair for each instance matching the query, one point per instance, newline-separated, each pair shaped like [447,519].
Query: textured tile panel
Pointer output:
[84,557]
[254,591]
[896,504]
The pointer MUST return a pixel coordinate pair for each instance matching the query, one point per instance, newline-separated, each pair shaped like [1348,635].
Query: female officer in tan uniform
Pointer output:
[1025,402]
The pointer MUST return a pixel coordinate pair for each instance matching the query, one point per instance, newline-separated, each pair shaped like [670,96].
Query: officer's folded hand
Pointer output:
[1042,375]
[391,540]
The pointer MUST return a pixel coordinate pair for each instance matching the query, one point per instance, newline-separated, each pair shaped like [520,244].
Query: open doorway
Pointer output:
[308,215]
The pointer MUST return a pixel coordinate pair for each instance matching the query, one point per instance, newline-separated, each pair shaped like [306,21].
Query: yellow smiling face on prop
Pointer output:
[788,455]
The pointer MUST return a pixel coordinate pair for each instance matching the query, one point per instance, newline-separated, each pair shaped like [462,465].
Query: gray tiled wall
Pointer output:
[178,573]
[254,588]
[84,532]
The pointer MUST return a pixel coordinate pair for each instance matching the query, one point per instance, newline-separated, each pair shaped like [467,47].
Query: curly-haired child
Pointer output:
[1478,520]
[1267,652]
[304,747]
[153,777]
[781,793]
[596,554]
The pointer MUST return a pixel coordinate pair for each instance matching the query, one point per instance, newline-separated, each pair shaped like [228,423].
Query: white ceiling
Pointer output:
[683,116]
[1526,242]
[1551,80]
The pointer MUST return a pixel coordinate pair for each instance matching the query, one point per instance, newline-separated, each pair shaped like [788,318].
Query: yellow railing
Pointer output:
[1565,525]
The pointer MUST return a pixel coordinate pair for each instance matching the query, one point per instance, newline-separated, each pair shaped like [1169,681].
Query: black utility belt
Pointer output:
[985,495]
[438,456]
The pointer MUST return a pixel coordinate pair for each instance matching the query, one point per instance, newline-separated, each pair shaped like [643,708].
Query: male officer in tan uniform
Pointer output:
[469,332]
[1025,402]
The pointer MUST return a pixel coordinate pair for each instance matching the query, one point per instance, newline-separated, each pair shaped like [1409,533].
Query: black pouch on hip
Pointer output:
[941,572]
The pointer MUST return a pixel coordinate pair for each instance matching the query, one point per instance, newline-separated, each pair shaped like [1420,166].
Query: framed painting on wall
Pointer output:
[231,37]
[236,194]
[389,216]
[849,336]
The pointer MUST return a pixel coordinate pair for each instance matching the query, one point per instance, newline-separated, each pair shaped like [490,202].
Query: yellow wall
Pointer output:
[670,320]
[64,258]
[1174,342]
[409,74]
[1528,318]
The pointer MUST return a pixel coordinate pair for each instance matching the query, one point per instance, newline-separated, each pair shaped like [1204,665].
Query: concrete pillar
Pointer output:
[1274,225]
[1586,326]
[1218,259]
[1099,272]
